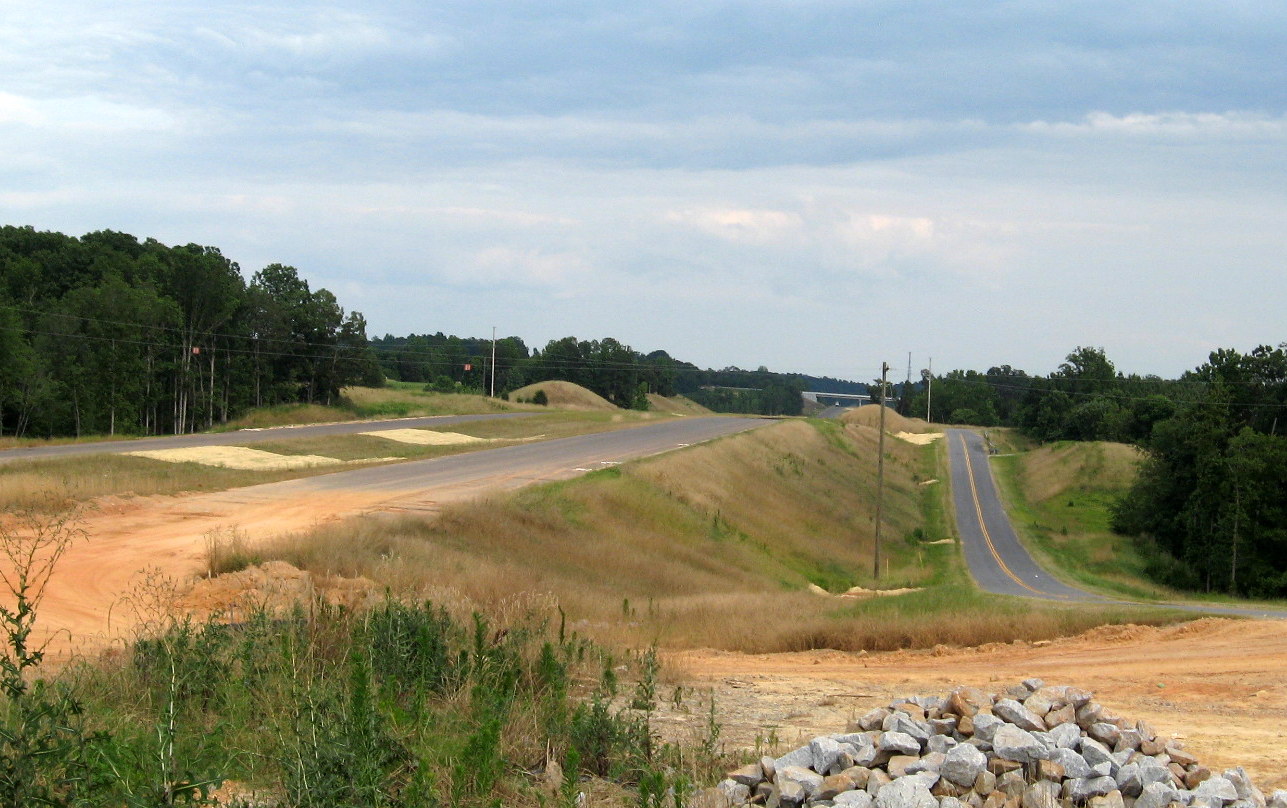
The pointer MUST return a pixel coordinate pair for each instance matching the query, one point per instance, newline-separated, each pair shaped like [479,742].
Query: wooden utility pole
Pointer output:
[929,389]
[880,470]
[493,361]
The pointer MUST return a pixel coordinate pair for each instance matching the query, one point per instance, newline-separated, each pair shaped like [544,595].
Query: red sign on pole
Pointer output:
[469,367]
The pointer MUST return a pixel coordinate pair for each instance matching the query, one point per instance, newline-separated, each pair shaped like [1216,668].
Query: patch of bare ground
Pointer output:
[1215,683]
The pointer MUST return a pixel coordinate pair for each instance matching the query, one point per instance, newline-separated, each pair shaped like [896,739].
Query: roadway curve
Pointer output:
[169,533]
[1001,564]
[997,560]
[243,436]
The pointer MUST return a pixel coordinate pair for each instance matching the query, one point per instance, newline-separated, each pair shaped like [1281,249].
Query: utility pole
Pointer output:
[929,389]
[880,470]
[493,361]
[906,397]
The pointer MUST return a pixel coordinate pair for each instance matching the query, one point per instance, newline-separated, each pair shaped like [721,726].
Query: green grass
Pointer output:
[408,704]
[1069,532]
[1070,535]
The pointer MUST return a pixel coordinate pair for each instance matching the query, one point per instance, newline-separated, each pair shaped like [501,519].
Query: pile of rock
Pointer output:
[1032,746]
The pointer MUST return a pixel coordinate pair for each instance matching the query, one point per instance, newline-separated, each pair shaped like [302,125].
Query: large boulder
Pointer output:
[796,757]
[899,743]
[808,779]
[962,765]
[1080,789]
[985,726]
[825,752]
[853,799]
[1015,713]
[1012,743]
[908,792]
[1157,795]
[1216,791]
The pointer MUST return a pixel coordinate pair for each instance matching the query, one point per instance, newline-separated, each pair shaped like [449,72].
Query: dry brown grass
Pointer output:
[81,480]
[710,546]
[63,482]
[288,414]
[400,401]
[869,415]
[564,396]
[675,405]
[1051,470]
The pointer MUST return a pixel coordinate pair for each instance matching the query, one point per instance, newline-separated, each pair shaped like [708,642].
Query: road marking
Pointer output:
[987,537]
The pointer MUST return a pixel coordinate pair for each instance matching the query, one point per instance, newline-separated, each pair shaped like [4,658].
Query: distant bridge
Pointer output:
[837,399]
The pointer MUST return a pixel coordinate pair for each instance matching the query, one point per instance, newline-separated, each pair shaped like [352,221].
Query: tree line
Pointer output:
[1208,506]
[107,334]
[606,366]
[104,334]
[1210,494]
[1085,398]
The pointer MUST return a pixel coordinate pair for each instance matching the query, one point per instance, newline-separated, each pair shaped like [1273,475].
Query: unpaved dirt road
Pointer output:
[1219,683]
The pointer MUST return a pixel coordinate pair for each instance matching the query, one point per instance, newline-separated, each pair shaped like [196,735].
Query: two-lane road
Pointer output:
[1000,563]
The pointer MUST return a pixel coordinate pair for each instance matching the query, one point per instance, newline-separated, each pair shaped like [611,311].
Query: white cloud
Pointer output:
[1168,124]
[82,114]
[742,225]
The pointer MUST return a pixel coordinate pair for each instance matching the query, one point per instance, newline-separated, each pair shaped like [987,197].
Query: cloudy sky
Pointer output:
[803,184]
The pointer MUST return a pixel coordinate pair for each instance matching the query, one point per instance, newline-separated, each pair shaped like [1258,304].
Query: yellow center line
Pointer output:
[987,537]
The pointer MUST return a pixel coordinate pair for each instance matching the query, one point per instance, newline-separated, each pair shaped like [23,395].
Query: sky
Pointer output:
[807,185]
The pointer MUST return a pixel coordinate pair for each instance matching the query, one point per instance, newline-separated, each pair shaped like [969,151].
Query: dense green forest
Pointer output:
[1209,505]
[105,334]
[1084,399]
[1213,492]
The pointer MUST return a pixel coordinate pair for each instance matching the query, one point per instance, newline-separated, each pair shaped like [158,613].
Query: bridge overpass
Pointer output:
[837,399]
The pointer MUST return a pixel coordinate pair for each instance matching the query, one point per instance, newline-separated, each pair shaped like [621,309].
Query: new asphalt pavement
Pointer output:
[997,560]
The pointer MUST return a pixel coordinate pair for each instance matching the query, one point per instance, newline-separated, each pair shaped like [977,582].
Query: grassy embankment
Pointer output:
[1060,496]
[712,546]
[61,482]
[394,400]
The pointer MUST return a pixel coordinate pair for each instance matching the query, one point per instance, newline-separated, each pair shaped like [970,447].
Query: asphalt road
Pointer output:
[997,560]
[425,484]
[243,436]
[833,412]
